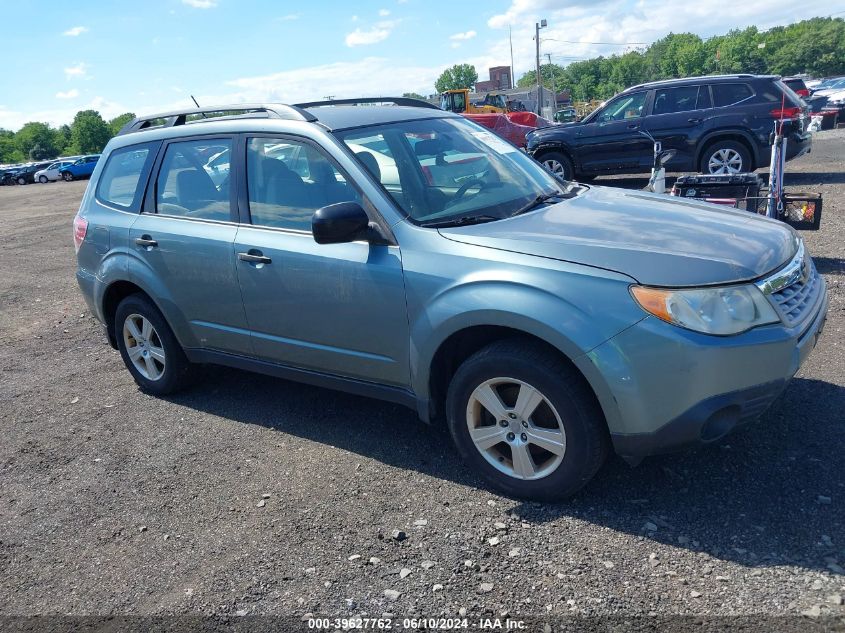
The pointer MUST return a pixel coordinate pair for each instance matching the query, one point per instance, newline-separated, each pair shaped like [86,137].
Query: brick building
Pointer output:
[500,79]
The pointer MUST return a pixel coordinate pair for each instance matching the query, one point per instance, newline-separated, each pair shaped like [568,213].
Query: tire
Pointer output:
[21,181]
[42,180]
[565,417]
[733,157]
[67,176]
[559,164]
[160,366]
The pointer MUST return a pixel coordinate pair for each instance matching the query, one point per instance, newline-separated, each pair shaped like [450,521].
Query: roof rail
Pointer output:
[245,110]
[400,101]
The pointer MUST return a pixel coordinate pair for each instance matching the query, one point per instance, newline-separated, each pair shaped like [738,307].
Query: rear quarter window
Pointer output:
[125,174]
[730,94]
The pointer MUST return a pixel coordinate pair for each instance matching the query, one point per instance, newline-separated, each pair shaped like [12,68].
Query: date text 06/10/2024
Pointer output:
[443,624]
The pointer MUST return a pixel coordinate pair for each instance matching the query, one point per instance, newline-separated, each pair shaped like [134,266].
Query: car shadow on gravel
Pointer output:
[830,265]
[772,493]
[792,178]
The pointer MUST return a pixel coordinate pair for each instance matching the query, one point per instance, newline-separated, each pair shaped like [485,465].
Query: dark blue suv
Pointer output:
[717,125]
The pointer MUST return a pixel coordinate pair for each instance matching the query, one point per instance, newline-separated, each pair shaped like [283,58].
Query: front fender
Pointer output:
[550,314]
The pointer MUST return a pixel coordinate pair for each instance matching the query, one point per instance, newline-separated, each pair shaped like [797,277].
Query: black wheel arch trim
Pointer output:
[752,145]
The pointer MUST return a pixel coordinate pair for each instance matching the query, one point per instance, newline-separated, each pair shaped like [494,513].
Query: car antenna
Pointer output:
[198,106]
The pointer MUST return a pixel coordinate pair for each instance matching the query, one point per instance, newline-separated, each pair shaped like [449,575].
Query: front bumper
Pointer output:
[663,388]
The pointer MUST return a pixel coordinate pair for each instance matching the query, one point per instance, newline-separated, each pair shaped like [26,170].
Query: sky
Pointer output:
[118,56]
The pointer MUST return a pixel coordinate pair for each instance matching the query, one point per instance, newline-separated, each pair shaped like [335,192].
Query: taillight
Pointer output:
[786,113]
[802,92]
[80,228]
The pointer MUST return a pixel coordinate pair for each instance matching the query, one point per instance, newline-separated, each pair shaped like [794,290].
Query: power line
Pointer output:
[551,39]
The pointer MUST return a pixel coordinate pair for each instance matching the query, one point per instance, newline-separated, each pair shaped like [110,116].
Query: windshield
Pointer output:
[439,170]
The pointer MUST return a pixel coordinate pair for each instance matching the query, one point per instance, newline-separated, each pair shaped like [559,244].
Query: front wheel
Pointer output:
[526,421]
[21,181]
[67,176]
[558,164]
[42,180]
[149,348]
[725,157]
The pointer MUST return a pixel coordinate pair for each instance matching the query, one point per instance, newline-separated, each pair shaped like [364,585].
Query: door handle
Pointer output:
[694,120]
[254,257]
[146,241]
[633,126]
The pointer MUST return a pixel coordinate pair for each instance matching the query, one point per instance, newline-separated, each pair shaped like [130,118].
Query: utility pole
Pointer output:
[510,38]
[554,82]
[537,26]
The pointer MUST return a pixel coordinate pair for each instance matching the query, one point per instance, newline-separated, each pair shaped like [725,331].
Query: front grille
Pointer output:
[794,302]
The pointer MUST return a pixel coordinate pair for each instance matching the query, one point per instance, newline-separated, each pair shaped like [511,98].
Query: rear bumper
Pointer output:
[798,144]
[669,389]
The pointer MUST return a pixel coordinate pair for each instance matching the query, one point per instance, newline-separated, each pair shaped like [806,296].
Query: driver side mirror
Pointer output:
[342,223]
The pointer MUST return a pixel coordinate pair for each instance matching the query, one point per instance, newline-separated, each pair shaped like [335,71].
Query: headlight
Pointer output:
[721,311]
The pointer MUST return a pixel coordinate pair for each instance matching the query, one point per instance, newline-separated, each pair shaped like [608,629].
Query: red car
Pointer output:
[798,86]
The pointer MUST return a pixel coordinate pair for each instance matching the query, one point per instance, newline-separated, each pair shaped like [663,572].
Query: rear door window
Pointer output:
[187,186]
[125,175]
[672,100]
[730,94]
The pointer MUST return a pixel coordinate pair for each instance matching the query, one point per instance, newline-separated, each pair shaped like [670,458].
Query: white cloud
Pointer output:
[371,76]
[463,36]
[383,13]
[79,71]
[76,30]
[378,33]
[70,94]
[200,4]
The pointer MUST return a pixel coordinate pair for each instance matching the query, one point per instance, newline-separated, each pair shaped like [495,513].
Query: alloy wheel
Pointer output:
[556,167]
[144,346]
[725,161]
[516,428]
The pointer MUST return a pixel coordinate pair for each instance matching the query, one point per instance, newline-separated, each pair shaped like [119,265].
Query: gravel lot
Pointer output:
[250,495]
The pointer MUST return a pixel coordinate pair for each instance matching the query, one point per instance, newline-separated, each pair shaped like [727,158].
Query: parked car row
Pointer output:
[71,168]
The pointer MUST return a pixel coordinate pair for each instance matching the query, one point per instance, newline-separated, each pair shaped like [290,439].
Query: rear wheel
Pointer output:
[559,164]
[725,157]
[21,181]
[67,176]
[526,421]
[149,348]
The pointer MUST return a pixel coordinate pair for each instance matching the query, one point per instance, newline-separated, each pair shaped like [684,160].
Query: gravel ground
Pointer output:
[250,495]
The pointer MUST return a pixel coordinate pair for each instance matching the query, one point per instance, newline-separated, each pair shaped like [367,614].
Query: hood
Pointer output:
[658,240]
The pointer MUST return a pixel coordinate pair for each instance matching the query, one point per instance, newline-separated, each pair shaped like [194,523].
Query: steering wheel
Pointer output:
[469,184]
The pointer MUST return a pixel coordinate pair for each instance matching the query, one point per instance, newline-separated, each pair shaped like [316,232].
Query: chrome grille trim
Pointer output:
[786,276]
[793,290]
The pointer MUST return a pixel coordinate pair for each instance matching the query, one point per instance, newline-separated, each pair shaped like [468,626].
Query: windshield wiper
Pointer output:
[461,221]
[543,197]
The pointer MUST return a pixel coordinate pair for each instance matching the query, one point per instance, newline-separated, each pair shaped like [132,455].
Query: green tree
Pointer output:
[9,152]
[119,121]
[413,95]
[37,135]
[89,133]
[63,140]
[815,46]
[457,77]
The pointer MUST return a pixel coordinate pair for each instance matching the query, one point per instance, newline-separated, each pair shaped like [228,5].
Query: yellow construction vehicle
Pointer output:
[458,101]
